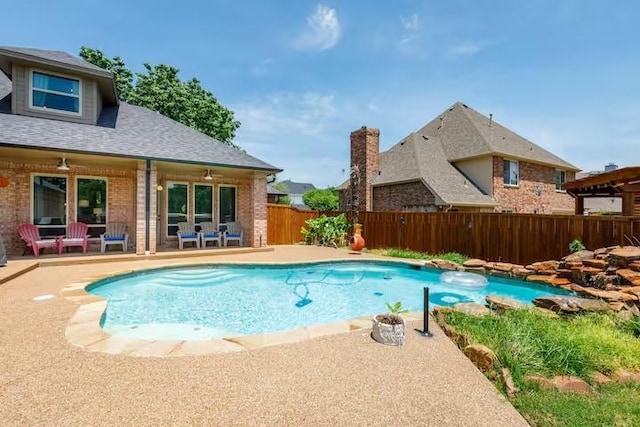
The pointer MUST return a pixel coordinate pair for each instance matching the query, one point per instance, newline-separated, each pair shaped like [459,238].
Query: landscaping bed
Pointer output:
[581,370]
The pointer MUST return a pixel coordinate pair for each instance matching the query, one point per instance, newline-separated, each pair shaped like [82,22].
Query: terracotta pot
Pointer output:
[4,182]
[356,242]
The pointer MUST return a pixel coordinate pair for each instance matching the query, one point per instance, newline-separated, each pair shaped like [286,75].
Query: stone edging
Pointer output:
[84,330]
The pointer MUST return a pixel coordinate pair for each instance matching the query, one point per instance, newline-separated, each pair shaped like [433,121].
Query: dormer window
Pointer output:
[54,92]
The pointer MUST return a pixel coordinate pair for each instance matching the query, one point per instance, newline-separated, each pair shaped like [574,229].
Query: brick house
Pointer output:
[73,152]
[460,161]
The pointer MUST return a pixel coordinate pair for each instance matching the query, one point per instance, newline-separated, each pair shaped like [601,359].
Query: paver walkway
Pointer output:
[339,380]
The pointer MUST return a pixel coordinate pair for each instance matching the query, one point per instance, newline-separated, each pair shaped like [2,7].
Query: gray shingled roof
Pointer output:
[272,190]
[298,187]
[466,133]
[421,157]
[127,131]
[62,58]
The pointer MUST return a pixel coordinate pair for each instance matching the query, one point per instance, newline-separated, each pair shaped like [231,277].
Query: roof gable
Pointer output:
[298,187]
[465,133]
[421,157]
[56,56]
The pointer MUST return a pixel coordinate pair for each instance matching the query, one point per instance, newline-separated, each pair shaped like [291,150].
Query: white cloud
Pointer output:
[411,23]
[323,30]
[410,37]
[467,48]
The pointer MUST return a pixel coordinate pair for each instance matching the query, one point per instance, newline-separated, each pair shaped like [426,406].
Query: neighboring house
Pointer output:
[460,161]
[295,190]
[73,152]
[273,194]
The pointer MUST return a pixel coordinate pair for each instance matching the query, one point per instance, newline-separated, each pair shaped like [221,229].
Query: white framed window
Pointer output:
[91,203]
[52,91]
[177,205]
[561,179]
[49,204]
[511,172]
[227,204]
[202,203]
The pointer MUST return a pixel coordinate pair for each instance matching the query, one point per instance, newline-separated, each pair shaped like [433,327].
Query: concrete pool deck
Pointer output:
[343,379]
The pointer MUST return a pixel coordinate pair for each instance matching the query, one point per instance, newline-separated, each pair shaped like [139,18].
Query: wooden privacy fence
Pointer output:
[517,238]
[284,224]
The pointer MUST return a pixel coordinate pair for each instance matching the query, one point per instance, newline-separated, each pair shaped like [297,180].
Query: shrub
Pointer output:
[326,231]
[576,246]
[405,253]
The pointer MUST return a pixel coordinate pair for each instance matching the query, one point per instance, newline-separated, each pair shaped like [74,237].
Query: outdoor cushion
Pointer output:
[233,234]
[210,234]
[189,236]
[113,238]
[73,239]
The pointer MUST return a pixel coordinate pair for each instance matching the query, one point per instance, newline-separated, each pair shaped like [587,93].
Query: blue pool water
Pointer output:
[215,301]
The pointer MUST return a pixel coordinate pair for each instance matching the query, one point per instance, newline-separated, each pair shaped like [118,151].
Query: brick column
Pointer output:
[153,221]
[140,208]
[259,199]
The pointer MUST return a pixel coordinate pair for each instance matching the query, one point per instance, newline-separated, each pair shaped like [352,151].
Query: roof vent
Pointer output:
[490,119]
[441,123]
[425,137]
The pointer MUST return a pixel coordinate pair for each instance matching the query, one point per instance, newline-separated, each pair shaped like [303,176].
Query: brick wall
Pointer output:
[251,204]
[15,200]
[365,152]
[407,196]
[523,198]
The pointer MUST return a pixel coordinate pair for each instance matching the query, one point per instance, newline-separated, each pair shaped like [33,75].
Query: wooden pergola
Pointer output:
[624,183]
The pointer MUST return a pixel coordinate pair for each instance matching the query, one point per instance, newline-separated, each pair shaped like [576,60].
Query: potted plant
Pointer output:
[389,328]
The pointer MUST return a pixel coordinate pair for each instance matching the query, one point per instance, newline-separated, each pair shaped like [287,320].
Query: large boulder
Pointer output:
[445,264]
[596,263]
[629,277]
[482,356]
[504,303]
[570,304]
[579,256]
[623,257]
[571,384]
[474,263]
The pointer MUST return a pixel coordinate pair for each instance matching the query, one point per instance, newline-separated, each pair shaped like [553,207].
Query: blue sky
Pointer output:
[301,75]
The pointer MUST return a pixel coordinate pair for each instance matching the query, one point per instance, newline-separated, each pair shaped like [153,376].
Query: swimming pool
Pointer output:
[215,301]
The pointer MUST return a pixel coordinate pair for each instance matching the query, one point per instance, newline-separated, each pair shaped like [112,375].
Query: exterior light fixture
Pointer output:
[62,164]
[208,176]
[538,190]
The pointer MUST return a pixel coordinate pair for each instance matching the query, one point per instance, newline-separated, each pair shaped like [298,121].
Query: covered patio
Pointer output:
[621,183]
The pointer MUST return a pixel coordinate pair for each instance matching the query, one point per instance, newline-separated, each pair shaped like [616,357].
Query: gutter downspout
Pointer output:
[147,206]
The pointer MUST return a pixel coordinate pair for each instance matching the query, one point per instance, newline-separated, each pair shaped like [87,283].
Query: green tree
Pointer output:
[282,200]
[160,89]
[321,200]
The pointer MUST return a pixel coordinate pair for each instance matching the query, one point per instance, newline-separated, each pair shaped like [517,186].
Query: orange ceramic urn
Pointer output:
[356,243]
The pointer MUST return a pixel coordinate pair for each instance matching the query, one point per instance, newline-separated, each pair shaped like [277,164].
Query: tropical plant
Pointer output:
[160,89]
[576,246]
[322,200]
[326,231]
[393,317]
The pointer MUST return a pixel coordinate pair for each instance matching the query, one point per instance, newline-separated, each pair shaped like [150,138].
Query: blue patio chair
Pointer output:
[209,233]
[187,233]
[233,233]
[115,234]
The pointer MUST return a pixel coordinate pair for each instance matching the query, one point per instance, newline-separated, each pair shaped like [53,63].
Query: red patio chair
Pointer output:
[77,235]
[31,236]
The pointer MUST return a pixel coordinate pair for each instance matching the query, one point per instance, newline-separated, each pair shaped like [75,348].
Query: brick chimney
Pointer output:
[365,152]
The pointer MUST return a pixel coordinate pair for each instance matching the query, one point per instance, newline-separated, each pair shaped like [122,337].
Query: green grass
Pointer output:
[612,405]
[528,342]
[406,253]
